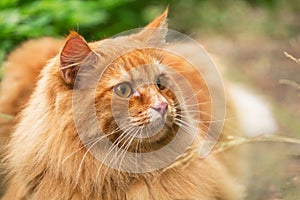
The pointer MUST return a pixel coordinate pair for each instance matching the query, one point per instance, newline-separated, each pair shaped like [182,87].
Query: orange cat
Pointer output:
[59,147]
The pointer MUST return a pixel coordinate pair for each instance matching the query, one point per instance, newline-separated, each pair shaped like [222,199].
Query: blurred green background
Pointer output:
[248,38]
[20,20]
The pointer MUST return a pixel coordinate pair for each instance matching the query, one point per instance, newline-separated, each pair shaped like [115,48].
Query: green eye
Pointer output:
[161,82]
[123,90]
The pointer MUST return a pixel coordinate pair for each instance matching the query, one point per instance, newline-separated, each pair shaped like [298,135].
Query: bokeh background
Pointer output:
[248,38]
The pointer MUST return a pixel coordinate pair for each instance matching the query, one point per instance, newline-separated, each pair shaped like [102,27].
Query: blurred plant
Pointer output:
[95,19]
[270,17]
[21,20]
[289,82]
[6,116]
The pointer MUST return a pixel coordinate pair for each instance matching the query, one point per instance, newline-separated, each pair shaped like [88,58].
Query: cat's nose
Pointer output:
[161,108]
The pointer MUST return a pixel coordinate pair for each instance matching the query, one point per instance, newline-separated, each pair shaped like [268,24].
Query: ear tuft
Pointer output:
[160,22]
[154,33]
[72,55]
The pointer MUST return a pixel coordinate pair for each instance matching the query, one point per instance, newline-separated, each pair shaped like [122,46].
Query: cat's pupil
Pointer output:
[160,83]
[123,90]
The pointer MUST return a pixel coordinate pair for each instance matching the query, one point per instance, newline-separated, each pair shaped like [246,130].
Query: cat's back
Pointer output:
[21,70]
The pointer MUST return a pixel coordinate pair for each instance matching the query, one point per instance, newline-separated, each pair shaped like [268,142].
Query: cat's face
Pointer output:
[135,101]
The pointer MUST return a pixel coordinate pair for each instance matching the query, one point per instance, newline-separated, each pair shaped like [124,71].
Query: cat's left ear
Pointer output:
[155,32]
[75,53]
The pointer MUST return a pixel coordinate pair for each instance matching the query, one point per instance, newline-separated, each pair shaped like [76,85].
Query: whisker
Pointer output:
[190,97]
[114,145]
[200,120]
[115,157]
[85,154]
[183,124]
[118,141]
[190,105]
[200,111]
[122,155]
[90,141]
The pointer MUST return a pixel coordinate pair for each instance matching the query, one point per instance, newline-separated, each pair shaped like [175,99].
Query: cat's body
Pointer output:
[47,160]
[21,71]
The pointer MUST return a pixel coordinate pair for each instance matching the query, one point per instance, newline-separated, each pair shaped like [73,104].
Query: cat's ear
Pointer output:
[160,21]
[155,32]
[72,55]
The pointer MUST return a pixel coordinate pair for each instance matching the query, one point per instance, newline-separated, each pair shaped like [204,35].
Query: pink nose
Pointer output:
[161,108]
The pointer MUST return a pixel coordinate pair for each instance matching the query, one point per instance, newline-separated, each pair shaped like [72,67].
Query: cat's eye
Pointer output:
[123,90]
[161,82]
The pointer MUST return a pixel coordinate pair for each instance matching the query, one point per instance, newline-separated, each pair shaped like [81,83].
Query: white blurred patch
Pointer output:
[253,112]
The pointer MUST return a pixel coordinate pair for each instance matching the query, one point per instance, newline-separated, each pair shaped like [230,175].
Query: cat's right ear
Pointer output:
[72,55]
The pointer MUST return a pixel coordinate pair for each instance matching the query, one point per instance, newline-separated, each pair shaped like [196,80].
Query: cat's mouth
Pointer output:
[158,113]
[157,118]
[156,125]
[148,131]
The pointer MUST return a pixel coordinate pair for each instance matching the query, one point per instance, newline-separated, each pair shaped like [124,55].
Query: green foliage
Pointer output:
[5,116]
[21,20]
[95,19]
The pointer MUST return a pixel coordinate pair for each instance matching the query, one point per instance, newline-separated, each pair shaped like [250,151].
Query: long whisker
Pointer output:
[85,154]
[122,155]
[192,105]
[88,150]
[90,141]
[115,157]
[189,129]
[190,97]
[139,147]
[118,141]
[203,121]
[114,145]
[184,124]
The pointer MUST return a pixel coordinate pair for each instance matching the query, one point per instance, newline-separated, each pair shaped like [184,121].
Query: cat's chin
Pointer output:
[154,135]
[156,126]
[160,127]
[153,129]
[157,120]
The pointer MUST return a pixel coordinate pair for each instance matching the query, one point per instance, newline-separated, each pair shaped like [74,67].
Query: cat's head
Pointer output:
[135,94]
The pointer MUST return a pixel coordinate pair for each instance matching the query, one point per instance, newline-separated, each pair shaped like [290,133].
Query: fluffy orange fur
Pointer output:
[21,70]
[45,154]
